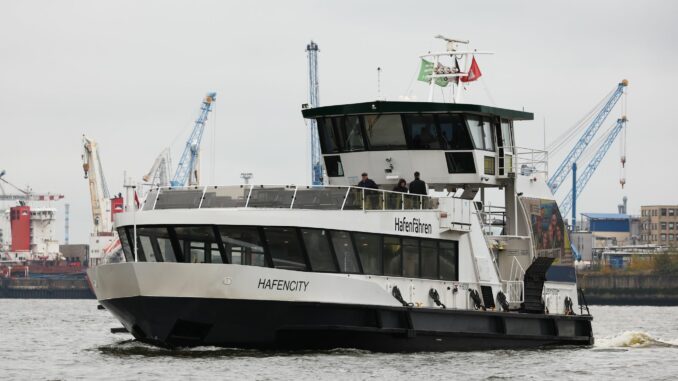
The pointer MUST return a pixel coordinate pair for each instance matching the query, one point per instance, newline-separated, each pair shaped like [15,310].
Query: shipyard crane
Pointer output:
[98,189]
[158,176]
[24,194]
[563,171]
[313,101]
[585,176]
[187,170]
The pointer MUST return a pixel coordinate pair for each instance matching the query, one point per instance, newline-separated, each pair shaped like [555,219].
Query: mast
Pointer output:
[454,73]
[313,101]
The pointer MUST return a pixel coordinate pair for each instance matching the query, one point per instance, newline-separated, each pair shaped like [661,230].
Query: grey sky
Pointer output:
[131,75]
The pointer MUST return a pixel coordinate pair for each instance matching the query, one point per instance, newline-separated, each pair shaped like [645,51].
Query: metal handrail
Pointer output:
[422,202]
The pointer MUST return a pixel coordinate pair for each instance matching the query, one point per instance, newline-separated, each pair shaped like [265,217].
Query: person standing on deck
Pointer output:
[366,182]
[401,187]
[418,186]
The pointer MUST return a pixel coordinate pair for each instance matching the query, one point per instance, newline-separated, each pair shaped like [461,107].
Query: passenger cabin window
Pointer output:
[196,243]
[124,242]
[385,132]
[317,243]
[299,249]
[411,257]
[454,133]
[421,132]
[368,246]
[481,131]
[392,256]
[242,245]
[343,248]
[283,246]
[448,260]
[429,259]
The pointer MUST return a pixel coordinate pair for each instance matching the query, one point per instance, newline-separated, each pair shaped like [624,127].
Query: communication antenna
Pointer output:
[246,176]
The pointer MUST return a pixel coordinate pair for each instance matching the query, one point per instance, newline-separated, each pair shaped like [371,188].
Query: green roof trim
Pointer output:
[387,107]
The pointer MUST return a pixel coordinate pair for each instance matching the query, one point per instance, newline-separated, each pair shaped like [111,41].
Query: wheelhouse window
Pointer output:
[481,131]
[328,139]
[385,132]
[333,166]
[460,162]
[454,132]
[490,165]
[421,132]
[284,248]
[317,245]
[506,138]
[350,133]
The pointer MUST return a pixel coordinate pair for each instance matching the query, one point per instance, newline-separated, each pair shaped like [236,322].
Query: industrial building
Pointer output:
[598,231]
[659,225]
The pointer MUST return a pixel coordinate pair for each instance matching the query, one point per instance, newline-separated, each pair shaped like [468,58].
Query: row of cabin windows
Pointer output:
[411,131]
[301,249]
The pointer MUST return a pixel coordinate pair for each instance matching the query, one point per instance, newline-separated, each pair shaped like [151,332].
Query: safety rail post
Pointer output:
[157,194]
[343,204]
[363,194]
[204,190]
[402,201]
[294,196]
[247,203]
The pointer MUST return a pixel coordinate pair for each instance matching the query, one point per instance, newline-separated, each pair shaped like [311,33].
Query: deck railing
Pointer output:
[286,197]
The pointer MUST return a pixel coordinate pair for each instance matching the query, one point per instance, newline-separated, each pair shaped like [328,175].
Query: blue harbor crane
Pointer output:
[187,170]
[559,176]
[578,185]
[313,101]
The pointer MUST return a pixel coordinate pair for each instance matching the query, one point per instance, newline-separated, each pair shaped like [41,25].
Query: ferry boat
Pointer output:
[289,267]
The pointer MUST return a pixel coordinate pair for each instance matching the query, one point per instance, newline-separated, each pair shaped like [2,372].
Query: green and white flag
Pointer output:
[426,71]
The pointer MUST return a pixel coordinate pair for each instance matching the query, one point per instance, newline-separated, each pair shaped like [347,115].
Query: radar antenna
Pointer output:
[452,42]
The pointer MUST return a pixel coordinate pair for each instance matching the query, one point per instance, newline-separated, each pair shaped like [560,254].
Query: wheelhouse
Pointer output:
[450,144]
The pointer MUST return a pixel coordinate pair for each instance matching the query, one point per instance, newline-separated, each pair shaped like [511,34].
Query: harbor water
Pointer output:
[71,339]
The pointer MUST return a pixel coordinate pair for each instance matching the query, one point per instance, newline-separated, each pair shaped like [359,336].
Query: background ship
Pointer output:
[32,263]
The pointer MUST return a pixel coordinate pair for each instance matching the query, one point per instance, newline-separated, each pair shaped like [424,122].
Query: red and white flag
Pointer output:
[473,72]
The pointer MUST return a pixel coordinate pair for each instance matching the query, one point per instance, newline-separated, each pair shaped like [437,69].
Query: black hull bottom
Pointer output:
[172,322]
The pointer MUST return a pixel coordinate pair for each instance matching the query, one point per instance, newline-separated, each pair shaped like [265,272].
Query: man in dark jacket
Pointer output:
[367,182]
[418,186]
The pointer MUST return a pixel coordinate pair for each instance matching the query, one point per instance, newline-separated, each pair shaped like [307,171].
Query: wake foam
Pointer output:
[632,339]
